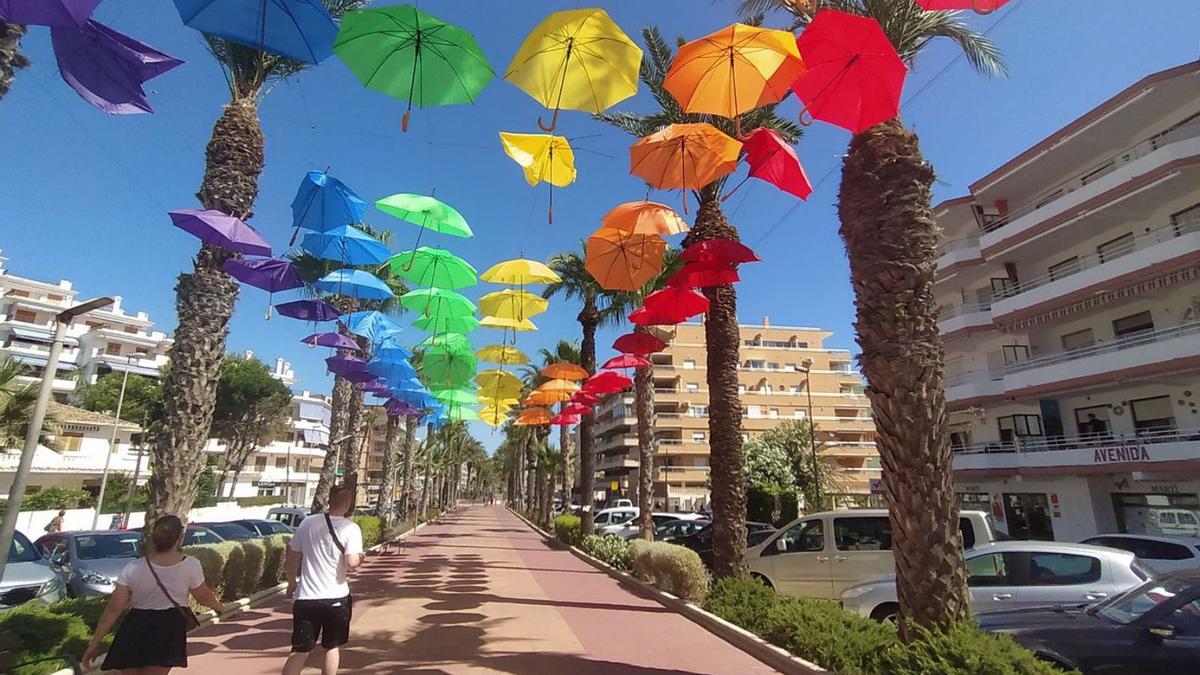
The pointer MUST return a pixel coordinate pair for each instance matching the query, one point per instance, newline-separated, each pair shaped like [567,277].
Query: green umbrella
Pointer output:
[457,413]
[437,302]
[450,342]
[434,267]
[447,367]
[427,212]
[410,55]
[456,396]
[439,323]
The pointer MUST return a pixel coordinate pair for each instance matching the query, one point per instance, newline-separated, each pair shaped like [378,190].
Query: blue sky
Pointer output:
[83,196]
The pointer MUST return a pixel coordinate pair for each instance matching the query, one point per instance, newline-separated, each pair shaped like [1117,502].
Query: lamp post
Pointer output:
[112,443]
[16,493]
[806,368]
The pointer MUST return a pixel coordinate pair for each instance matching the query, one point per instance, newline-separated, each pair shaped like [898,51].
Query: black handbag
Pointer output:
[189,617]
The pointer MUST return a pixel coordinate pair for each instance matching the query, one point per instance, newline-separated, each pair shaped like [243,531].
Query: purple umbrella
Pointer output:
[347,365]
[308,310]
[53,13]
[396,407]
[376,386]
[268,274]
[221,230]
[107,68]
[335,340]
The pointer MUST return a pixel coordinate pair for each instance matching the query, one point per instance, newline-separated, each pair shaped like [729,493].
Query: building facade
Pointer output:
[1069,291]
[785,373]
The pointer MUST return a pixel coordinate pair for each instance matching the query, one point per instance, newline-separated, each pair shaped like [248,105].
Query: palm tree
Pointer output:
[16,407]
[205,297]
[406,471]
[720,326]
[891,238]
[568,352]
[11,57]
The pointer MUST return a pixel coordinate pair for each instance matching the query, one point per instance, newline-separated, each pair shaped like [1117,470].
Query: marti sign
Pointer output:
[1121,453]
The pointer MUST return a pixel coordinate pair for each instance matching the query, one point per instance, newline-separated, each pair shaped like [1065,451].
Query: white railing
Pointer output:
[667,391]
[958,245]
[1049,444]
[972,376]
[1124,342]
[952,311]
[668,441]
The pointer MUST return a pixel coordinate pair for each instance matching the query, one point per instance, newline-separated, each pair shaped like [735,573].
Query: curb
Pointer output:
[775,657]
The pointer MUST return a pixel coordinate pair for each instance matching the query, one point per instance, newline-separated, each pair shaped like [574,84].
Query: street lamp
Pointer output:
[112,442]
[17,492]
[806,368]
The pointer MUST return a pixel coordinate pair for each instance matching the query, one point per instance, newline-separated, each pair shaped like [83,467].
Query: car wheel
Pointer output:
[763,580]
[886,613]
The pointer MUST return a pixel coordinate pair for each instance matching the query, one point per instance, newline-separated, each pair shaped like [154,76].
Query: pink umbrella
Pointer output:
[638,344]
[678,301]
[584,397]
[719,252]
[562,420]
[703,275]
[772,159]
[645,316]
[607,382]
[626,361]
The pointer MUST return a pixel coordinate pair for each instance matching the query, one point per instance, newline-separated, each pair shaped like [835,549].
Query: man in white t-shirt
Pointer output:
[323,549]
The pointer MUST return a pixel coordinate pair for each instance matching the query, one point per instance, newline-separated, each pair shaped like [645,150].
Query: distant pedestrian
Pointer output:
[323,549]
[153,637]
[56,523]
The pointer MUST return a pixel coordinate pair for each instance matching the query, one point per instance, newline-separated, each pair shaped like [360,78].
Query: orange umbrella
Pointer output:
[560,386]
[620,261]
[734,70]
[684,157]
[533,416]
[644,217]
[564,370]
[537,397]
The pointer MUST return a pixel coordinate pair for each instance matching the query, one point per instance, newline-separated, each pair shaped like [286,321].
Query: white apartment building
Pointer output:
[1069,287]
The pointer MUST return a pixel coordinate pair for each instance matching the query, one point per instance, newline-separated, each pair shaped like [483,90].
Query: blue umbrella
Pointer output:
[347,245]
[391,371]
[324,202]
[300,29]
[411,387]
[375,326]
[390,349]
[353,284]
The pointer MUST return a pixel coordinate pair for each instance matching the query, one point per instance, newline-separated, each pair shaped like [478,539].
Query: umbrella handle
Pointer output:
[987,9]
[268,316]
[806,118]
[404,120]
[553,122]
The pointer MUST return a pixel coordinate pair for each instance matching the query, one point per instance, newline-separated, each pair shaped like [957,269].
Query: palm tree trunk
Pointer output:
[352,456]
[564,441]
[643,396]
[11,58]
[589,319]
[204,301]
[339,422]
[237,476]
[724,405]
[548,499]
[531,472]
[406,486]
[391,452]
[891,241]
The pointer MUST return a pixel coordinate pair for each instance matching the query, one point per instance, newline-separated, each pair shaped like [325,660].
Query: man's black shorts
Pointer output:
[327,620]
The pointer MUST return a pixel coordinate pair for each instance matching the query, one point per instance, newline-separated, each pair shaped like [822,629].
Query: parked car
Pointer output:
[614,516]
[1019,574]
[27,576]
[802,560]
[619,503]
[265,528]
[630,527]
[1162,553]
[702,543]
[288,515]
[1151,628]
[231,531]
[199,534]
[675,529]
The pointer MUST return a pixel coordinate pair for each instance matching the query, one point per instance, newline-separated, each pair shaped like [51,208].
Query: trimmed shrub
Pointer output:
[256,553]
[567,529]
[372,529]
[822,632]
[744,601]
[963,649]
[430,515]
[260,500]
[677,570]
[275,550]
[609,549]
[234,573]
[213,558]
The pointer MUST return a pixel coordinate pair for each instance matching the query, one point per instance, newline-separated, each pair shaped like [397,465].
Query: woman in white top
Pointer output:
[153,637]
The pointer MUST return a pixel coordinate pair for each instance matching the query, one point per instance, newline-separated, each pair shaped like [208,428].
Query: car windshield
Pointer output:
[231,530]
[21,550]
[115,545]
[1135,602]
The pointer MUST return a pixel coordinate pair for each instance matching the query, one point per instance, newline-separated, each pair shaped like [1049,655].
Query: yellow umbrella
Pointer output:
[510,304]
[498,384]
[502,354]
[520,272]
[492,416]
[507,324]
[501,403]
[576,59]
[545,158]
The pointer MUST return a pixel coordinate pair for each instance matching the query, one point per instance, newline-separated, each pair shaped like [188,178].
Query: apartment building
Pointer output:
[1069,287]
[785,374]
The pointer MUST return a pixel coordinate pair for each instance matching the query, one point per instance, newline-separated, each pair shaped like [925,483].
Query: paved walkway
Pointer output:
[481,593]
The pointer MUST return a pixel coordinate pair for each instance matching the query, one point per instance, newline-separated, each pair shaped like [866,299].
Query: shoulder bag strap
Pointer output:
[332,533]
[158,581]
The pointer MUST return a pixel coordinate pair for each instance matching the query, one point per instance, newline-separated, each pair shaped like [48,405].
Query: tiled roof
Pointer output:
[67,414]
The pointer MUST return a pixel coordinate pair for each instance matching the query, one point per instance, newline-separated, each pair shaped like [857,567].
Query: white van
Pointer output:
[614,516]
[802,559]
[288,515]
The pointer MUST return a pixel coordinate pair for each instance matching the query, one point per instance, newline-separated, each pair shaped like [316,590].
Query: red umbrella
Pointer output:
[677,301]
[703,275]
[585,397]
[607,382]
[644,316]
[719,252]
[638,344]
[626,361]
[980,6]
[577,409]
[773,160]
[854,75]
[562,420]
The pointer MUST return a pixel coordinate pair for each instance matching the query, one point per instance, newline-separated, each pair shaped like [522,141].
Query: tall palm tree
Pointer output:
[11,57]
[721,325]
[568,352]
[891,238]
[406,471]
[16,407]
[392,451]
[205,297]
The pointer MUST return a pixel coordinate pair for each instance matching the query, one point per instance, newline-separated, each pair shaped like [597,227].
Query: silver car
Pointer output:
[27,576]
[90,561]
[1013,574]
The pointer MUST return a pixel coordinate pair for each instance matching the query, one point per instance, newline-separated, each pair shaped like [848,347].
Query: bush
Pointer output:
[37,637]
[212,559]
[260,500]
[372,529]
[760,504]
[609,549]
[744,601]
[430,515]
[256,554]
[567,529]
[235,571]
[675,569]
[275,550]
[821,632]
[58,498]
[963,649]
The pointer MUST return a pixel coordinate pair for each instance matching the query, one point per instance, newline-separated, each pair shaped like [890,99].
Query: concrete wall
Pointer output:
[33,523]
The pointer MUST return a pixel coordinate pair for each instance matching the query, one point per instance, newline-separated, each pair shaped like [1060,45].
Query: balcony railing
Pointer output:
[958,245]
[1125,342]
[1050,444]
[963,309]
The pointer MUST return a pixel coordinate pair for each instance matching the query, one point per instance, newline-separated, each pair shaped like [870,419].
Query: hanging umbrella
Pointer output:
[626,361]
[703,275]
[545,398]
[347,245]
[510,304]
[734,70]
[520,272]
[498,383]
[576,60]
[980,6]
[564,370]
[679,301]
[577,409]
[456,396]
[493,416]
[684,157]
[562,420]
[560,386]
[620,261]
[719,252]
[535,416]
[638,344]
[585,397]
[308,310]
[446,324]
[854,76]
[644,316]
[353,284]
[335,340]
[413,56]
[458,413]
[389,348]
[398,408]
[502,354]
[377,387]
[107,68]
[504,404]
[374,326]
[507,324]
[772,159]
[391,370]
[323,202]
[52,13]
[545,158]
[644,217]
[343,365]
[449,341]
[298,29]
[426,212]
[447,366]
[437,302]
[267,274]
[221,230]
[607,382]
[434,267]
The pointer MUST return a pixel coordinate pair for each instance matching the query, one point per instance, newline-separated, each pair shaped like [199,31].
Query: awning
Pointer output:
[130,368]
[40,361]
[316,437]
[43,337]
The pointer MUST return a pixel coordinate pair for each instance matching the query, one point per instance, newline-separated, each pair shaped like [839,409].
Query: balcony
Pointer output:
[957,251]
[683,474]
[1136,451]
[964,317]
[975,384]
[49,461]
[617,463]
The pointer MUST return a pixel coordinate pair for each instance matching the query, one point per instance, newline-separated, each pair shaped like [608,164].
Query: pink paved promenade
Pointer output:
[481,593]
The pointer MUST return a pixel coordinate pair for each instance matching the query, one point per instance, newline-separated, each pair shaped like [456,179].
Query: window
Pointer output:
[988,570]
[1019,425]
[50,297]
[1064,269]
[1134,324]
[1092,421]
[689,364]
[773,413]
[18,293]
[131,330]
[805,537]
[794,389]
[741,388]
[1014,353]
[1145,549]
[693,387]
[756,364]
[1062,569]
[1115,248]
[772,366]
[1153,414]
[1187,220]
[798,414]
[112,349]
[281,462]
[25,316]
[1186,620]
[1099,171]
[790,367]
[260,463]
[70,441]
[1078,340]
[862,534]
[698,411]
[840,366]
[697,436]
[753,412]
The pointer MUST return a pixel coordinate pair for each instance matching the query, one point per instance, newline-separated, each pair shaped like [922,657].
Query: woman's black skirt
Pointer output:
[149,637]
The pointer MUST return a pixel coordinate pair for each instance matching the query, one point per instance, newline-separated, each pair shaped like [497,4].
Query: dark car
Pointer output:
[231,531]
[701,541]
[265,528]
[674,530]
[1152,628]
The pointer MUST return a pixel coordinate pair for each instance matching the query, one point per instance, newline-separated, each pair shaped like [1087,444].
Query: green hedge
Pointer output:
[260,500]
[38,635]
[275,549]
[675,569]
[372,529]
[610,549]
[567,529]
[821,632]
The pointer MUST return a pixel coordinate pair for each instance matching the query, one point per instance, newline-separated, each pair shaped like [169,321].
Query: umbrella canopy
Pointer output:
[53,13]
[679,301]
[734,70]
[510,304]
[413,56]
[626,361]
[498,384]
[493,416]
[446,324]
[221,230]
[719,252]
[585,397]
[354,284]
[577,409]
[347,245]
[502,354]
[426,212]
[560,386]
[607,382]
[520,272]
[644,316]
[456,396]
[401,408]
[620,261]
[308,310]
[375,326]
[298,29]
[644,217]
[446,366]
[545,158]
[535,416]
[449,341]
[107,68]
[545,398]
[684,157]
[507,324]
[389,348]
[267,274]
[564,370]
[854,76]
[980,6]
[335,340]
[343,365]
[638,344]
[772,159]
[437,302]
[576,60]
[703,275]
[434,267]
[563,420]
[498,403]
[391,370]
[323,202]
